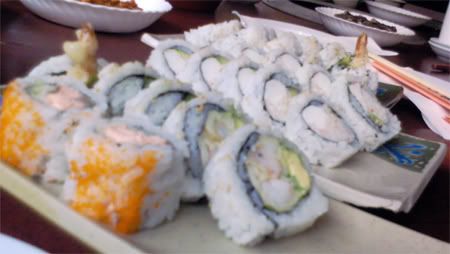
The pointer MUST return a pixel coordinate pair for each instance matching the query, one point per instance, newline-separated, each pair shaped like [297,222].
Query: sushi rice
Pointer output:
[124,173]
[202,124]
[258,186]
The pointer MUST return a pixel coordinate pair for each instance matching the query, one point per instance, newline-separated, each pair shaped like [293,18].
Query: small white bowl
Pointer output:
[346,28]
[441,51]
[106,19]
[396,14]
[436,40]
[397,3]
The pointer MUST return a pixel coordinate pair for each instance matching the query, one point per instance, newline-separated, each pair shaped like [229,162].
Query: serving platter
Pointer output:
[343,229]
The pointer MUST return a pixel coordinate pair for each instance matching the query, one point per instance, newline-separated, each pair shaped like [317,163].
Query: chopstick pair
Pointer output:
[435,94]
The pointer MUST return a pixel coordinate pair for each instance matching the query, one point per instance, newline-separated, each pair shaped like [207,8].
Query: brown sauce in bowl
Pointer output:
[130,4]
[364,21]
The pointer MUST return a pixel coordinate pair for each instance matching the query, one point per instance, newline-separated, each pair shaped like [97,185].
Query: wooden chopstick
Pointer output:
[438,95]
[424,91]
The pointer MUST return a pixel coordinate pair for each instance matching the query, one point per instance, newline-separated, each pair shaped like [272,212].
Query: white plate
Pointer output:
[11,245]
[343,229]
[396,14]
[106,19]
[343,27]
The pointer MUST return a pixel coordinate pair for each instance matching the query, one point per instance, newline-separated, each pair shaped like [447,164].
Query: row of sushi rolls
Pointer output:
[239,115]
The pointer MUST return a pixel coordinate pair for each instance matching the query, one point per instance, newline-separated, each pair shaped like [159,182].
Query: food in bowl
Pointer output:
[365,21]
[125,4]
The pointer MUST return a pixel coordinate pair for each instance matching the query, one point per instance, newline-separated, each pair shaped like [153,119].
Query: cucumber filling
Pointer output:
[124,90]
[159,108]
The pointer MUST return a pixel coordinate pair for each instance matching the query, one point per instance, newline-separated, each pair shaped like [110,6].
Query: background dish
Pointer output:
[442,51]
[106,19]
[11,245]
[396,14]
[347,28]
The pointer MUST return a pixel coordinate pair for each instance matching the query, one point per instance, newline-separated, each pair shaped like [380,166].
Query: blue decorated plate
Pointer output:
[389,95]
[392,177]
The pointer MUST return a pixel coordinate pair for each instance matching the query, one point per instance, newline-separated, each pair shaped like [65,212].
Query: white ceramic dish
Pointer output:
[12,245]
[397,3]
[343,229]
[436,40]
[442,51]
[396,14]
[343,27]
[106,19]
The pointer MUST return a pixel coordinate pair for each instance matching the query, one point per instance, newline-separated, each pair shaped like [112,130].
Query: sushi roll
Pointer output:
[58,66]
[202,124]
[273,91]
[311,48]
[170,57]
[249,37]
[158,101]
[260,185]
[239,76]
[121,83]
[37,115]
[124,174]
[205,70]
[356,68]
[320,132]
[359,107]
[331,54]
[205,35]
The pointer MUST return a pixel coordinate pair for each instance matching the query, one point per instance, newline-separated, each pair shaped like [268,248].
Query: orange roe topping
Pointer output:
[112,183]
[20,128]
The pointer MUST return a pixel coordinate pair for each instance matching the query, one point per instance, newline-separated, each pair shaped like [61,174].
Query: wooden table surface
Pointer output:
[27,39]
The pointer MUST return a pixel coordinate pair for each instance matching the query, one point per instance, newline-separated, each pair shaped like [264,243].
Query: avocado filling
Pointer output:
[279,90]
[211,68]
[206,126]
[177,57]
[274,174]
[124,90]
[160,107]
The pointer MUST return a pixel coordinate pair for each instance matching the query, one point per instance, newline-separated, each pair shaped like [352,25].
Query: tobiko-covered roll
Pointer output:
[158,101]
[259,185]
[37,114]
[320,132]
[202,124]
[124,174]
[121,83]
